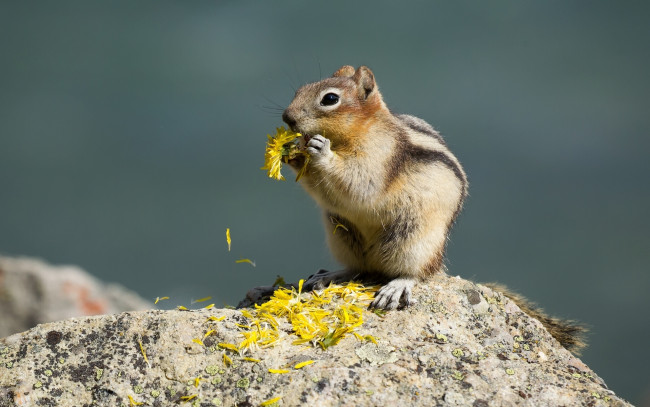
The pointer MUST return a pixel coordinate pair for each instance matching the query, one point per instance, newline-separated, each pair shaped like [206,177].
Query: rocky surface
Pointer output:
[33,292]
[461,344]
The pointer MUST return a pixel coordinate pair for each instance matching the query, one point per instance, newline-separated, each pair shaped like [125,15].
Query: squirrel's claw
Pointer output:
[323,277]
[318,147]
[394,294]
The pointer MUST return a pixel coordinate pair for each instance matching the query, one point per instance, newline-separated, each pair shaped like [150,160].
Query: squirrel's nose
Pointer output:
[288,119]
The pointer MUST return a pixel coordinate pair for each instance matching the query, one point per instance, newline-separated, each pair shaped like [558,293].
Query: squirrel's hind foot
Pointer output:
[324,277]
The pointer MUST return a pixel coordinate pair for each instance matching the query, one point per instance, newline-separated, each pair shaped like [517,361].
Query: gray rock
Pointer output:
[34,292]
[450,348]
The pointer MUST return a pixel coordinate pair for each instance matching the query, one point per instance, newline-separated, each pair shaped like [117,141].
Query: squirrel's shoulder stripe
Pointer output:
[420,126]
[406,151]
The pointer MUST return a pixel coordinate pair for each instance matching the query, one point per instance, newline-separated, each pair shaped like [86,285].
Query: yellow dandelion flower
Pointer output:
[281,148]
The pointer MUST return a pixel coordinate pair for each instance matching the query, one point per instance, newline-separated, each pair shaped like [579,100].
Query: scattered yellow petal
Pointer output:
[182,308]
[278,371]
[208,333]
[202,300]
[228,346]
[228,238]
[188,398]
[197,340]
[213,318]
[209,306]
[197,380]
[339,225]
[133,402]
[303,364]
[371,339]
[249,261]
[160,299]
[320,318]
[270,401]
[144,354]
[246,358]
[226,360]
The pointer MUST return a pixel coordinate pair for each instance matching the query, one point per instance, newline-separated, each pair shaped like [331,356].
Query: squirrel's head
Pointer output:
[339,108]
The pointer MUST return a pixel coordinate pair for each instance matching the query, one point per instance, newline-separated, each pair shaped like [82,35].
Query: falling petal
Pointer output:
[249,261]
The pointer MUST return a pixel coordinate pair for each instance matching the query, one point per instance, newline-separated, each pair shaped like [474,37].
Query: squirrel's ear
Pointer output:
[345,70]
[365,81]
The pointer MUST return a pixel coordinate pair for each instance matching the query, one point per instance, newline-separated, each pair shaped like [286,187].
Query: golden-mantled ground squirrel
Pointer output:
[389,186]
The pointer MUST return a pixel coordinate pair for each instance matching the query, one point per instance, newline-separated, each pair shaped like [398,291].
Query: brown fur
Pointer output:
[345,70]
[392,182]
[391,178]
[569,333]
[434,265]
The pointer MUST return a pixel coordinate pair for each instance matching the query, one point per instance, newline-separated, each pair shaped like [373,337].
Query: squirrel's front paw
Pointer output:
[395,294]
[318,148]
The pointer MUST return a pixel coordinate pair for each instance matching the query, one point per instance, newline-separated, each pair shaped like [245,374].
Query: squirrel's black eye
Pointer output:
[329,99]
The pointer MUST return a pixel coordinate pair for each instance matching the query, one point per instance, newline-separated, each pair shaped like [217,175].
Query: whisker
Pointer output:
[271,108]
[275,104]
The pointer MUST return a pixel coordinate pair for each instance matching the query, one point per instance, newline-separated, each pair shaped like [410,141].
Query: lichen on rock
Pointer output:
[461,344]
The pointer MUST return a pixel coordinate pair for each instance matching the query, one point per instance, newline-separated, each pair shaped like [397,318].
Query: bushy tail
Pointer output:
[569,333]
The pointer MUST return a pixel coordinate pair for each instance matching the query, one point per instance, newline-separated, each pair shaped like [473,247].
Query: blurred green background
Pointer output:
[132,132]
